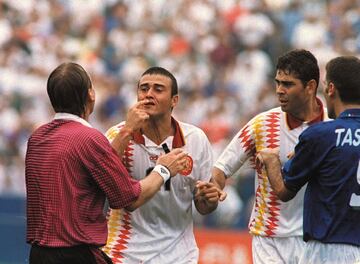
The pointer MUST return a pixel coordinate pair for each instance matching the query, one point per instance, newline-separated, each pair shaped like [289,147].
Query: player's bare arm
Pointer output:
[271,161]
[218,178]
[135,118]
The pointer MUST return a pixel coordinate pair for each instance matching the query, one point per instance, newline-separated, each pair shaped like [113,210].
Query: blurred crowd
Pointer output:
[221,52]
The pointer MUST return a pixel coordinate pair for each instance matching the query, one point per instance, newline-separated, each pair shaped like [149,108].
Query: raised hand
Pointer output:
[136,116]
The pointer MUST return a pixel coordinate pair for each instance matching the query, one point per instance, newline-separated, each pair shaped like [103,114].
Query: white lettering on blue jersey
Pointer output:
[357,136]
[351,137]
[339,131]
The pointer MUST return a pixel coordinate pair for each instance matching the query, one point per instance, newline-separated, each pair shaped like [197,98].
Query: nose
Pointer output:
[149,93]
[146,93]
[280,89]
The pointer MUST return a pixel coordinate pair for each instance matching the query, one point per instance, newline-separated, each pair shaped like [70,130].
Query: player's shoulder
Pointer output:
[117,126]
[271,115]
[191,130]
[273,112]
[114,129]
[81,133]
[321,129]
[75,128]
[87,132]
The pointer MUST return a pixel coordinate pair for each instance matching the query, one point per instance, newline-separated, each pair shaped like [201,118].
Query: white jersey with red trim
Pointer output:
[161,230]
[270,216]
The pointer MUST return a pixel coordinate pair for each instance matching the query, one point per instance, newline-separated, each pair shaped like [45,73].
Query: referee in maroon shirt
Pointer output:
[71,169]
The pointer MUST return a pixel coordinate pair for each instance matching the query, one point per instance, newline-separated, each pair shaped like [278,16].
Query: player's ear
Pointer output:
[330,89]
[311,86]
[91,94]
[174,100]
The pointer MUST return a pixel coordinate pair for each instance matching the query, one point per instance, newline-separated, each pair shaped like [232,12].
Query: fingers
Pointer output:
[140,104]
[175,161]
[259,160]
[223,196]
[275,151]
[180,158]
[290,155]
[264,154]
[209,192]
[202,184]
[180,152]
[136,116]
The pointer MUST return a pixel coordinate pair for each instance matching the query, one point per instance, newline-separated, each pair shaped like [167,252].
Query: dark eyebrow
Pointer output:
[155,84]
[285,83]
[159,85]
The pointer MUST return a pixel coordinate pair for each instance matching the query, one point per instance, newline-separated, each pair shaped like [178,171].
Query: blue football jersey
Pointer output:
[328,158]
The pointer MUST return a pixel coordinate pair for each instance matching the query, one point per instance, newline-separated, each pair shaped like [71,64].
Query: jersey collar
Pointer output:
[68,116]
[294,122]
[354,112]
[178,140]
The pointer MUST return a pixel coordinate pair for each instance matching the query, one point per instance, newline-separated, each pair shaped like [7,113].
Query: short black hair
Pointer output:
[67,88]
[301,63]
[164,72]
[344,73]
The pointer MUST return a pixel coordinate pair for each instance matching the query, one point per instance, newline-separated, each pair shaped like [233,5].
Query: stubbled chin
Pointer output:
[284,108]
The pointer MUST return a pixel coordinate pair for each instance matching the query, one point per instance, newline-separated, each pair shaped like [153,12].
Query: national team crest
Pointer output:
[188,166]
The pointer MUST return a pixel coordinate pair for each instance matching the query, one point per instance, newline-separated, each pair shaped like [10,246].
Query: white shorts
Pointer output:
[319,253]
[277,250]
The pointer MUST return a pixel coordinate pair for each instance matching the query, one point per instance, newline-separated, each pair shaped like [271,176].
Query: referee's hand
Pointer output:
[175,161]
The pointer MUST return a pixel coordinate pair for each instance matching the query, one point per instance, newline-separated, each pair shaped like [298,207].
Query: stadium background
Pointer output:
[222,53]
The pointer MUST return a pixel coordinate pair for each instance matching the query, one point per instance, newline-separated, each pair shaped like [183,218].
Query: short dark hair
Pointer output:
[301,63]
[164,72]
[344,73]
[67,87]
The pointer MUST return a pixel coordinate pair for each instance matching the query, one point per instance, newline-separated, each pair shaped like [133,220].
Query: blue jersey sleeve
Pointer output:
[308,155]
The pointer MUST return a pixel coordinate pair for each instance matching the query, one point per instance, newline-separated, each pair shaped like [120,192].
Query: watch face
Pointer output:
[189,166]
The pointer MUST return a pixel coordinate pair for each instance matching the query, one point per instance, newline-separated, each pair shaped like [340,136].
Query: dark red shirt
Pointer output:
[70,169]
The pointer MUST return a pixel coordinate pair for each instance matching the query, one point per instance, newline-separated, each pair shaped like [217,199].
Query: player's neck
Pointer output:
[87,112]
[85,116]
[310,112]
[341,107]
[158,129]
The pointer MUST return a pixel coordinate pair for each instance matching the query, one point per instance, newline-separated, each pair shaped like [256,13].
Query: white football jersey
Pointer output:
[272,129]
[160,231]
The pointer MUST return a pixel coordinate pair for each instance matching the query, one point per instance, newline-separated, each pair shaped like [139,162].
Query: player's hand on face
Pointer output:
[209,192]
[136,116]
[175,161]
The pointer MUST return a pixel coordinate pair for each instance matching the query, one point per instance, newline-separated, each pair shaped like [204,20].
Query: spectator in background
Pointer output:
[71,168]
[120,39]
[276,226]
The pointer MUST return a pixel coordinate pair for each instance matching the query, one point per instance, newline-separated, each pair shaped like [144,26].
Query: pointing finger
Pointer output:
[140,104]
